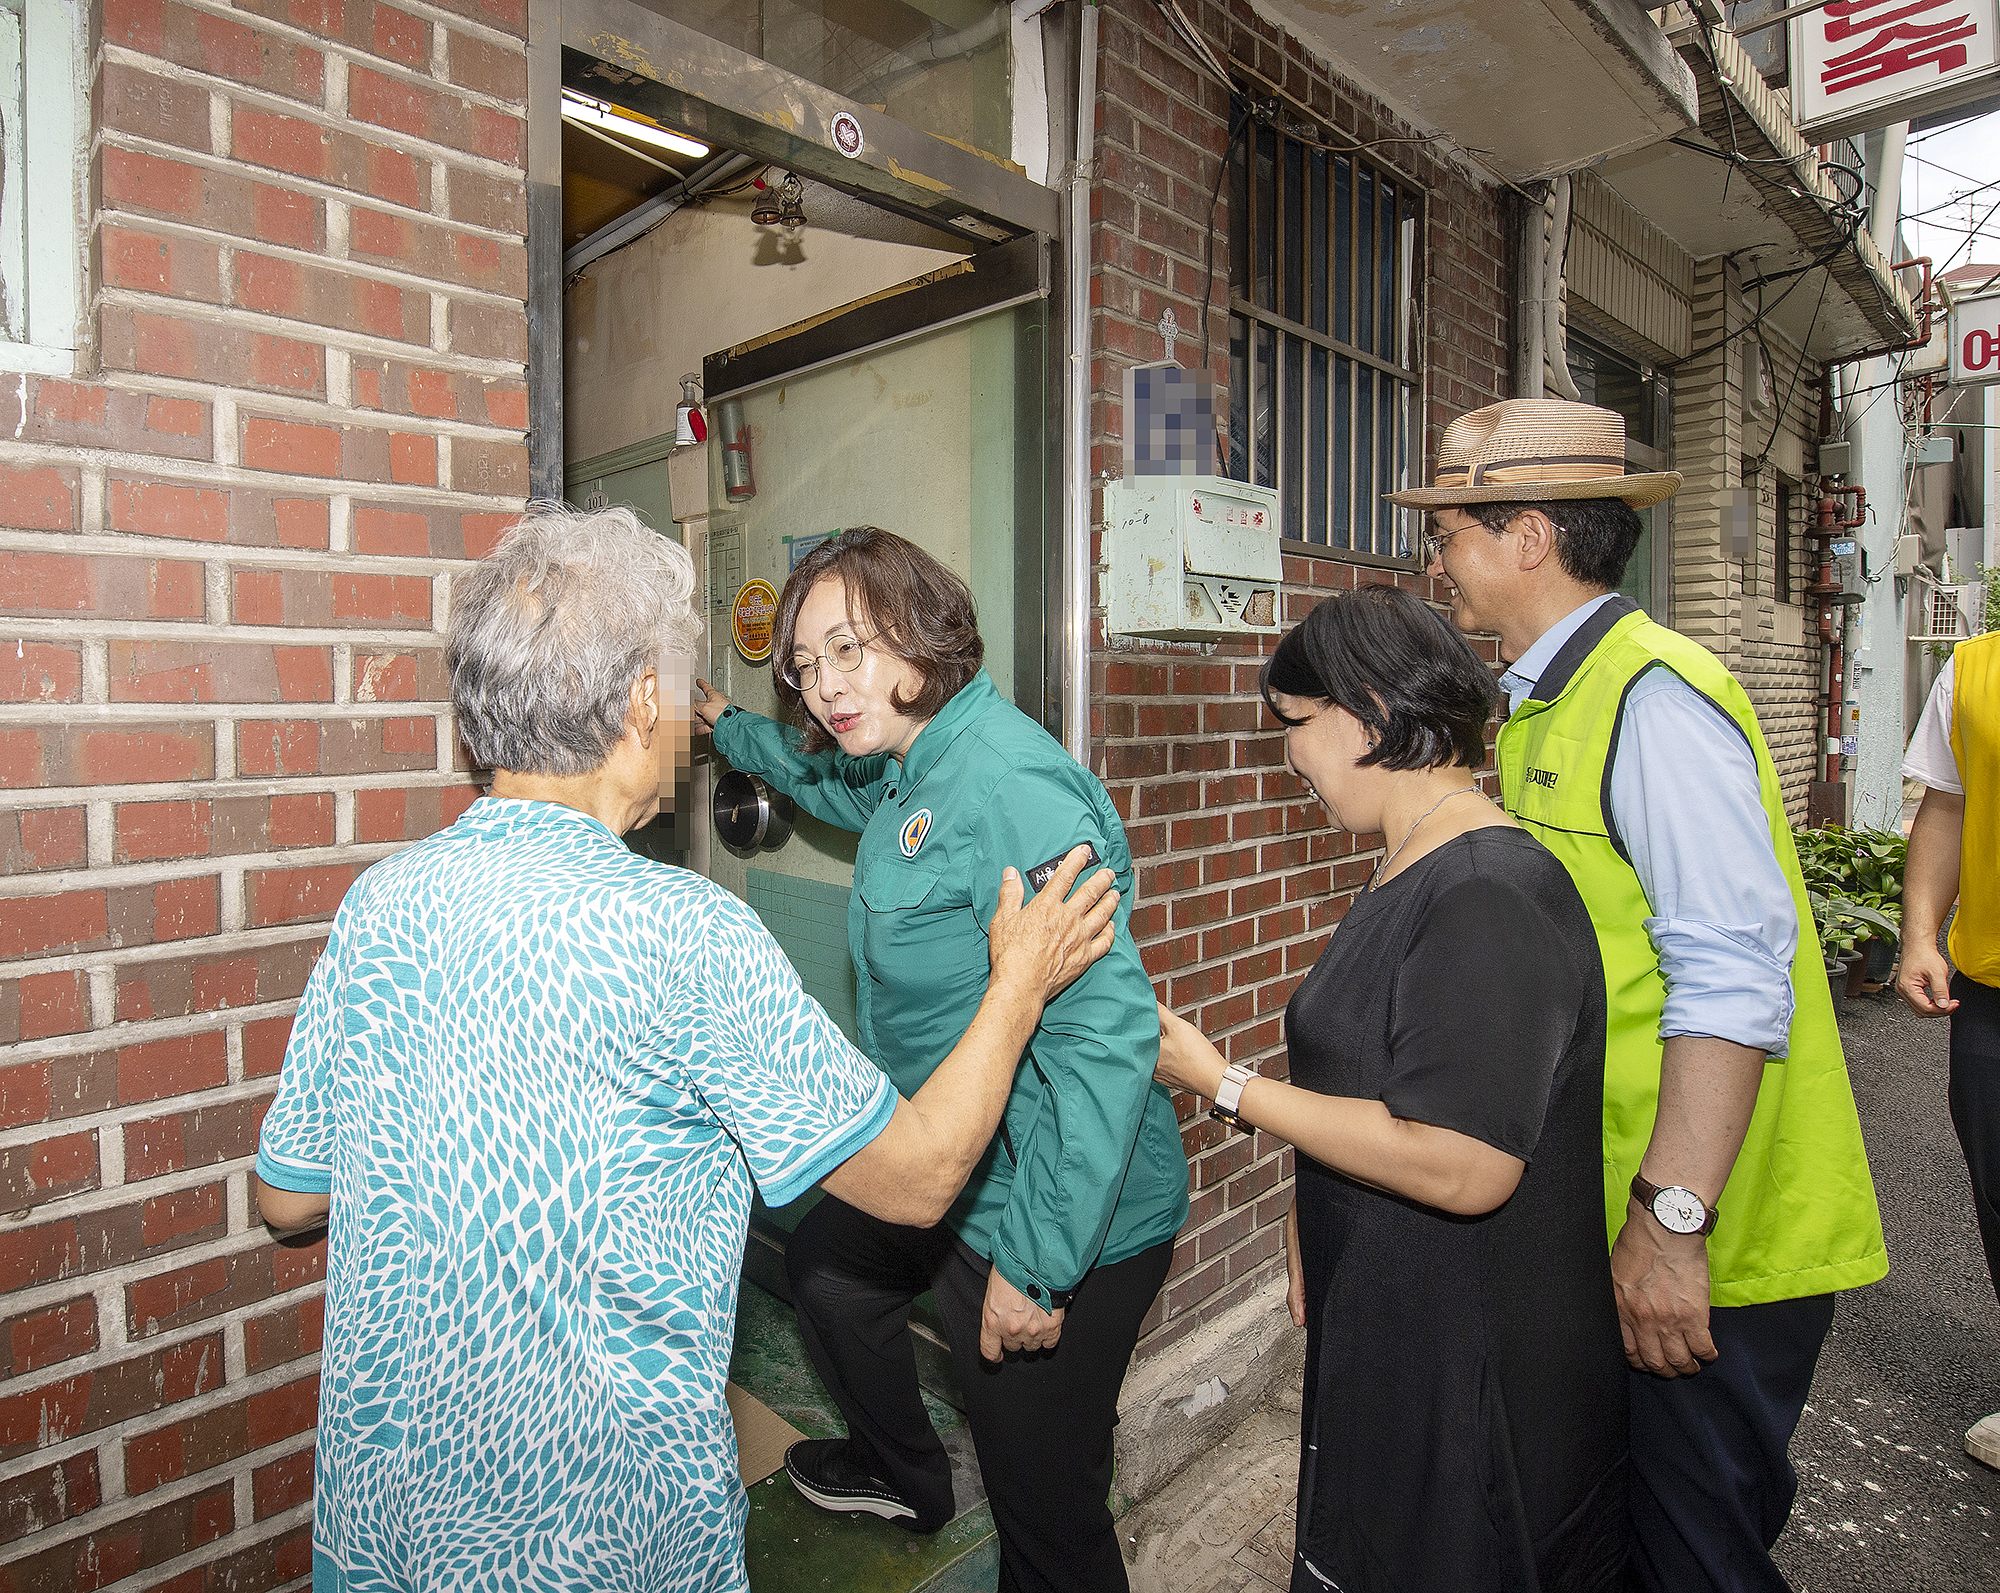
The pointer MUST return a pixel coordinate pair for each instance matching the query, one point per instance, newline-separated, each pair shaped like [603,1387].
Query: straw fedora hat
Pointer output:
[1529,450]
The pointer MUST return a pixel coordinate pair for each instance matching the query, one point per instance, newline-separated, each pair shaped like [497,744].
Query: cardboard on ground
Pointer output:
[762,1435]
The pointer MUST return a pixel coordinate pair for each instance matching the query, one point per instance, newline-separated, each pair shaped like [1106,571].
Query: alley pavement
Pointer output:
[1888,1498]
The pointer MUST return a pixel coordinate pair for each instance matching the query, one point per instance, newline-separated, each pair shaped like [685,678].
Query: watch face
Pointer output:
[1679,1210]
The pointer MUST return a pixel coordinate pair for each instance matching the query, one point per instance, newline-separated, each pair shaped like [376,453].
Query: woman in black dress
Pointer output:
[1465,1401]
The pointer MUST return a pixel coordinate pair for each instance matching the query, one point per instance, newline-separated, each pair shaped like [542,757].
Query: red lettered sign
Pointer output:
[1975,342]
[1858,65]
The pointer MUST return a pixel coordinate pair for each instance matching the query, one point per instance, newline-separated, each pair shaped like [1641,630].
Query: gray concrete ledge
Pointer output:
[1182,1402]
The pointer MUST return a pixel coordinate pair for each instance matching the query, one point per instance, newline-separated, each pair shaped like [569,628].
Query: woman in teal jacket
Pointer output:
[1049,1261]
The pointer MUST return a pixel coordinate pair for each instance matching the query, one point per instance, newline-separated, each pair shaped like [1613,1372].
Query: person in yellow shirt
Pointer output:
[1955,853]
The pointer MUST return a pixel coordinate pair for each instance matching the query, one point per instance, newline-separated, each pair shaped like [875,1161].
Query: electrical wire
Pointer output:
[1798,365]
[1205,61]
[1825,259]
[1736,157]
[1847,201]
[1268,111]
[1179,21]
[1237,125]
[1946,204]
[1837,208]
[1879,388]
[1939,271]
[1951,227]
[1947,170]
[1728,109]
[1872,387]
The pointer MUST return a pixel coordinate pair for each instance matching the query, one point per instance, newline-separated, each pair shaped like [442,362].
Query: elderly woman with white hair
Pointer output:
[532,1084]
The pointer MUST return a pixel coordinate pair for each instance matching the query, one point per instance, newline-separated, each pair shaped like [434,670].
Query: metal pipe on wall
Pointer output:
[1554,342]
[545,251]
[1076,405]
[1886,214]
[1529,322]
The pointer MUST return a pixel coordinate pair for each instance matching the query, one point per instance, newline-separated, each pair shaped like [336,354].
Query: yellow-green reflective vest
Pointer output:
[1798,1215]
[1975,745]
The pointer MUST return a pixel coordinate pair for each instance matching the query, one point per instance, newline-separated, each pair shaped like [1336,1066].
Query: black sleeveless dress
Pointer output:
[1465,1387]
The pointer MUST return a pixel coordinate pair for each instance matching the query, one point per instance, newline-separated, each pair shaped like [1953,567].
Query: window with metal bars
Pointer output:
[1325,364]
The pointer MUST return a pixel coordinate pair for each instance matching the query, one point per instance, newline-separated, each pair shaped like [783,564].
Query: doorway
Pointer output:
[919,404]
[921,410]
[864,282]
[876,344]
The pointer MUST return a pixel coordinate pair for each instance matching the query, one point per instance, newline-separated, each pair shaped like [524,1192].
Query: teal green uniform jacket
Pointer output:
[1088,1165]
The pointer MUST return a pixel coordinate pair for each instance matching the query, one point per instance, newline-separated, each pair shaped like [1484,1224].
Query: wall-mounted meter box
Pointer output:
[1848,567]
[1191,558]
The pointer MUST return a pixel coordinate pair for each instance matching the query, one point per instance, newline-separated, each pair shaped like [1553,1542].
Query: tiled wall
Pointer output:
[808,918]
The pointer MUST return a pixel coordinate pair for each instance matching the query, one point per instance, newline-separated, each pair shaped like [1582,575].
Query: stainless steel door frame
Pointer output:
[762,109]
[618,51]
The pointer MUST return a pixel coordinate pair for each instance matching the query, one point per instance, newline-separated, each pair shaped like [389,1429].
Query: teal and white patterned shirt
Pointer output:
[539,1076]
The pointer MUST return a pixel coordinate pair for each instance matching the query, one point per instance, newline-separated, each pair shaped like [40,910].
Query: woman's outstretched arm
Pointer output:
[1438,1166]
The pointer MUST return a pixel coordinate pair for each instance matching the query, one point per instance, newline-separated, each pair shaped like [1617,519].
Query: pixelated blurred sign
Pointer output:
[1859,65]
[1169,422]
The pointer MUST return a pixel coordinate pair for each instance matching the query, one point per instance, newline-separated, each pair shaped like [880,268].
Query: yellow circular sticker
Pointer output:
[752,618]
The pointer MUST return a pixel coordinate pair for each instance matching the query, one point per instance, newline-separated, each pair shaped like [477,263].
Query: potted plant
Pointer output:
[1847,928]
[1854,882]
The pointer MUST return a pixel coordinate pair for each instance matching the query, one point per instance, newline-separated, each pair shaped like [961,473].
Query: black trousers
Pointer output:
[1041,1422]
[1974,1096]
[1712,1484]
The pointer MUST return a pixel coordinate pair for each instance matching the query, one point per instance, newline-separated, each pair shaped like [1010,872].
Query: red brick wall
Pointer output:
[224,555]
[1241,880]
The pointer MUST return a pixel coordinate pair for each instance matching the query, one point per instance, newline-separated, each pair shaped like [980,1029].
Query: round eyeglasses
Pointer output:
[1435,541]
[844,653]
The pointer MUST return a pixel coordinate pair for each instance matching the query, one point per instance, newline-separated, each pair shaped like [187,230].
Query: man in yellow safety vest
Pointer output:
[1955,852]
[1737,1192]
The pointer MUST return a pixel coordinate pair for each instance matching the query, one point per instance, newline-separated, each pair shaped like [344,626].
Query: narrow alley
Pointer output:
[1888,1498]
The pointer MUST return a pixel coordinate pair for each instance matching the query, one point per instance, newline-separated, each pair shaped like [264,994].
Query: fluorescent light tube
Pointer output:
[594,113]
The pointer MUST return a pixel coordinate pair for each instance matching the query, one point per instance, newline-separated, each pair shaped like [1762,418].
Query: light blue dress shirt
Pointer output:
[1684,796]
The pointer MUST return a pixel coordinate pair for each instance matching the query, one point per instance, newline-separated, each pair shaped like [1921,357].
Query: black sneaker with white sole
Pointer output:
[821,1469]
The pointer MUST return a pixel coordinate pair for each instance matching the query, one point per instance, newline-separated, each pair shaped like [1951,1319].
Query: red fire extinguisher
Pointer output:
[738,481]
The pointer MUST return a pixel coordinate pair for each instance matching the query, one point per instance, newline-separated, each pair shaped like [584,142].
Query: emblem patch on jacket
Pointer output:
[915,828]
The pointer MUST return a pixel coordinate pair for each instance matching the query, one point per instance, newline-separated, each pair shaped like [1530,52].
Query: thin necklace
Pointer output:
[1464,790]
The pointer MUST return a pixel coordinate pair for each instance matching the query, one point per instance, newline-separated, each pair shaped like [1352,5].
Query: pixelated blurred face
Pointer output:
[674,743]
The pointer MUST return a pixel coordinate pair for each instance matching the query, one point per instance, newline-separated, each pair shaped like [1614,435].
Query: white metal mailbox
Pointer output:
[1191,558]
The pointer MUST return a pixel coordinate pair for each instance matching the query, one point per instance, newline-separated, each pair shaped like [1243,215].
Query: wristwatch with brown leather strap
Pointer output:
[1674,1208]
